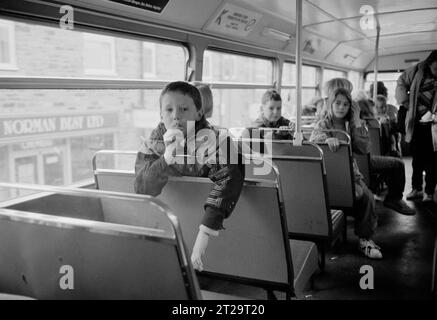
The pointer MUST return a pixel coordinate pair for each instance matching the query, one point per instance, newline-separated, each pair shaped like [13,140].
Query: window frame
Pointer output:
[293,86]
[238,85]
[101,72]
[230,85]
[207,77]
[287,87]
[93,83]
[345,73]
[228,60]
[10,29]
[366,83]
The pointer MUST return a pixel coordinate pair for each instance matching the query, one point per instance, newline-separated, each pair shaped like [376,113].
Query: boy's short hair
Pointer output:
[270,95]
[186,89]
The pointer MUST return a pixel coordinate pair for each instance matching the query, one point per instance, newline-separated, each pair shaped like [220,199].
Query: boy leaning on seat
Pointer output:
[181,126]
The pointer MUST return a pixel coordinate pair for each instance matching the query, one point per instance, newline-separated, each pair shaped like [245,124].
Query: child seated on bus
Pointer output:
[343,115]
[390,168]
[182,121]
[271,116]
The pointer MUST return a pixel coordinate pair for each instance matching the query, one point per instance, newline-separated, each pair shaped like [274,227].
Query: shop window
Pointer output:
[149,60]
[7,45]
[99,54]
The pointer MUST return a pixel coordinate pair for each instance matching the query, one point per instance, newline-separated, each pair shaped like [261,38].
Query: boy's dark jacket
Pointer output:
[152,174]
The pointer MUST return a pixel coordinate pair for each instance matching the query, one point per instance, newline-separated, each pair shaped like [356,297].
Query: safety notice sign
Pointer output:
[234,20]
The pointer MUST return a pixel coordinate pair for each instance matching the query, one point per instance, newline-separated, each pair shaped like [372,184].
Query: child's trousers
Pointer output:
[366,219]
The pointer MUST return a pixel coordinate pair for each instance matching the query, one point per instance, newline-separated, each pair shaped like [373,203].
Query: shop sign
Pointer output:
[12,127]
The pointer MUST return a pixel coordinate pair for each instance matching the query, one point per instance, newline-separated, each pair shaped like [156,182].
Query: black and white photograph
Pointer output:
[224,150]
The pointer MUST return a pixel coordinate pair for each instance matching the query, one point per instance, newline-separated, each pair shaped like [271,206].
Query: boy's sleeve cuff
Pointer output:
[209,231]
[213,218]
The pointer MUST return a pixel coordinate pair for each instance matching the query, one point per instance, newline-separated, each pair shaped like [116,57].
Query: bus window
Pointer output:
[235,106]
[288,92]
[389,79]
[355,78]
[48,135]
[7,45]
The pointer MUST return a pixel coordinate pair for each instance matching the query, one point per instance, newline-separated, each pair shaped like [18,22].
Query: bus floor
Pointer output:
[405,272]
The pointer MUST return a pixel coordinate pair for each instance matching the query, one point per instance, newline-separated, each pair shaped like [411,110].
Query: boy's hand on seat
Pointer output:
[199,250]
[333,144]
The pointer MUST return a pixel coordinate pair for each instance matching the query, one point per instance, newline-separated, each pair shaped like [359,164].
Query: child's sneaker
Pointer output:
[415,194]
[370,249]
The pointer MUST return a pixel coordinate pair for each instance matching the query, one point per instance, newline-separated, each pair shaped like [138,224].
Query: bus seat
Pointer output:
[304,253]
[301,170]
[303,179]
[254,236]
[109,260]
[339,176]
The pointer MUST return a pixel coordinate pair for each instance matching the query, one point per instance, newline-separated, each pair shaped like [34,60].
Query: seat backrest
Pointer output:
[339,171]
[303,181]
[339,176]
[254,246]
[109,259]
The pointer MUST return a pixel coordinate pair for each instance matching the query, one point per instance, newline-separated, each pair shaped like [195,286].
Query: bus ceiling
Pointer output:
[336,33]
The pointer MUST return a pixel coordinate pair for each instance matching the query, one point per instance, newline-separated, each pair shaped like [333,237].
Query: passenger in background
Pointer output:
[367,107]
[318,103]
[271,116]
[342,114]
[392,169]
[312,112]
[388,127]
[381,109]
[309,110]
[392,112]
[416,93]
[181,102]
